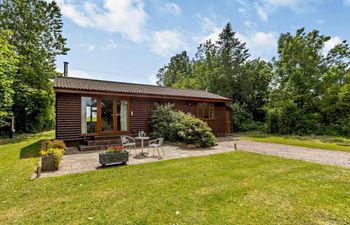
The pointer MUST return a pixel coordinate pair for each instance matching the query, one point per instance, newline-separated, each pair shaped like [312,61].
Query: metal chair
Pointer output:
[156,144]
[128,142]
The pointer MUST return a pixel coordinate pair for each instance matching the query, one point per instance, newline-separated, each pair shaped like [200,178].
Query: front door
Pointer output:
[107,114]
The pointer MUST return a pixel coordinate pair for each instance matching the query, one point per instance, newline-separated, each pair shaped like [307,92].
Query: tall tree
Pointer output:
[306,84]
[8,62]
[179,68]
[37,37]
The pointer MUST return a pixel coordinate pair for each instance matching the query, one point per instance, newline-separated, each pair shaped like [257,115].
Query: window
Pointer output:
[122,115]
[104,114]
[88,115]
[206,110]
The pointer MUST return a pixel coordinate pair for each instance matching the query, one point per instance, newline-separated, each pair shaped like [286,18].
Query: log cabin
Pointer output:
[90,111]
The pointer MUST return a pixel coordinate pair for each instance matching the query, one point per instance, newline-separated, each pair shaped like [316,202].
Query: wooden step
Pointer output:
[104,142]
[92,148]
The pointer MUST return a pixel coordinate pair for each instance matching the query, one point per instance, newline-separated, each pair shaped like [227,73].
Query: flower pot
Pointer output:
[111,158]
[48,163]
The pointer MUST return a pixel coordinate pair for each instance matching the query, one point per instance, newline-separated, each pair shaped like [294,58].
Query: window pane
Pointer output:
[205,110]
[106,114]
[88,115]
[122,115]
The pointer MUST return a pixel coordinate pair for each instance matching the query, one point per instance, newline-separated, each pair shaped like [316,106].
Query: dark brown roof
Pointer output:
[73,83]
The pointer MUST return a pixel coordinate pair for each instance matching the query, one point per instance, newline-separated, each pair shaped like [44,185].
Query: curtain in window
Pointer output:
[124,115]
[83,115]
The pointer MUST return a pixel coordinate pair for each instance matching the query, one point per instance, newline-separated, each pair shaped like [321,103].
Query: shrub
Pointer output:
[178,126]
[163,118]
[56,152]
[58,144]
[192,130]
[52,144]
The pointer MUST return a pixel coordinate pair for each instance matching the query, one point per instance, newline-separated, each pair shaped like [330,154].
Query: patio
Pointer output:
[75,161]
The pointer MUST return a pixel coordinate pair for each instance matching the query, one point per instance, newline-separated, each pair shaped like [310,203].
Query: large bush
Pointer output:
[179,126]
[163,119]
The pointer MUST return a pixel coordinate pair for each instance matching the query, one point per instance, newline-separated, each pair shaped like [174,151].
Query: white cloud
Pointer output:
[249,24]
[347,2]
[172,8]
[153,79]
[260,44]
[91,47]
[167,42]
[210,31]
[262,12]
[110,45]
[331,43]
[123,16]
[264,8]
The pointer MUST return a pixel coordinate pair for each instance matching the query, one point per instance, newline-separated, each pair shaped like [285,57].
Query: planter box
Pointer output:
[111,158]
[48,163]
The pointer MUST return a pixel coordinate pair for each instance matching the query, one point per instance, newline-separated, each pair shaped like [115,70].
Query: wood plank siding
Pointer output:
[68,114]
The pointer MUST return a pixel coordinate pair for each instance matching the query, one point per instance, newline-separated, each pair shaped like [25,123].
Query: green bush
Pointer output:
[192,130]
[46,144]
[163,118]
[56,152]
[243,120]
[178,126]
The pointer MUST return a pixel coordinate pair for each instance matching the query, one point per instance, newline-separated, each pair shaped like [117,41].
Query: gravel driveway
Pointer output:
[293,152]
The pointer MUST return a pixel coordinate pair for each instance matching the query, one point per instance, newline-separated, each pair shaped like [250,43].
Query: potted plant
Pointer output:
[114,154]
[51,158]
[51,154]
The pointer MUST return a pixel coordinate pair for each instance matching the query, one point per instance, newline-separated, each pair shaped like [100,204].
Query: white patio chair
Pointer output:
[128,142]
[156,144]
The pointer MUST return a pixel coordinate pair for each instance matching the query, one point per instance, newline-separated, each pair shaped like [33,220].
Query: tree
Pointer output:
[8,66]
[307,82]
[179,68]
[37,37]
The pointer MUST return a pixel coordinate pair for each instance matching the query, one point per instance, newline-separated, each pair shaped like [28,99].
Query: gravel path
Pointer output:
[293,152]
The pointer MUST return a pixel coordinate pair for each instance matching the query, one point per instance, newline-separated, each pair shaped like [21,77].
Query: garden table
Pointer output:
[142,138]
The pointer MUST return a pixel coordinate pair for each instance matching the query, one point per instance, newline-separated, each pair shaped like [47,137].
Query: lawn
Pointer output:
[318,142]
[232,188]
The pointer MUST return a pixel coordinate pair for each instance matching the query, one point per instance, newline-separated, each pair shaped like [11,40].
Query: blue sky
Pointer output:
[129,40]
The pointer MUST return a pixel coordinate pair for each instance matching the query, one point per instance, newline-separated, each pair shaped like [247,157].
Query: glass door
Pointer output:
[106,114]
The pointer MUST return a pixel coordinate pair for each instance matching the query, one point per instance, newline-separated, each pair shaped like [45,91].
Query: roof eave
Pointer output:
[96,92]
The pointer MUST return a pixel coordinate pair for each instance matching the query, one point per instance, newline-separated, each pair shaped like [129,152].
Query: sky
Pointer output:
[129,40]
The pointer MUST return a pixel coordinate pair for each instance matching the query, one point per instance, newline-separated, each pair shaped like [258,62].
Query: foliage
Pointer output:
[309,86]
[304,90]
[46,144]
[178,126]
[163,118]
[37,39]
[115,149]
[223,68]
[8,67]
[243,120]
[192,130]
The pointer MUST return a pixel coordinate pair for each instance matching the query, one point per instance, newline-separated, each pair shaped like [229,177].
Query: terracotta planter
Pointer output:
[111,158]
[48,163]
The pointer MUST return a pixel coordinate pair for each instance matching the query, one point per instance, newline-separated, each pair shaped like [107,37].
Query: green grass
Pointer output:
[232,188]
[318,142]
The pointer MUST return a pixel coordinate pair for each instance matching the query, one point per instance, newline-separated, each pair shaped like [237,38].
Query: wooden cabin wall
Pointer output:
[68,114]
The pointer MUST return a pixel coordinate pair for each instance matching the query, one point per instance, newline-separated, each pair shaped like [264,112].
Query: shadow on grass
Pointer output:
[30,151]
